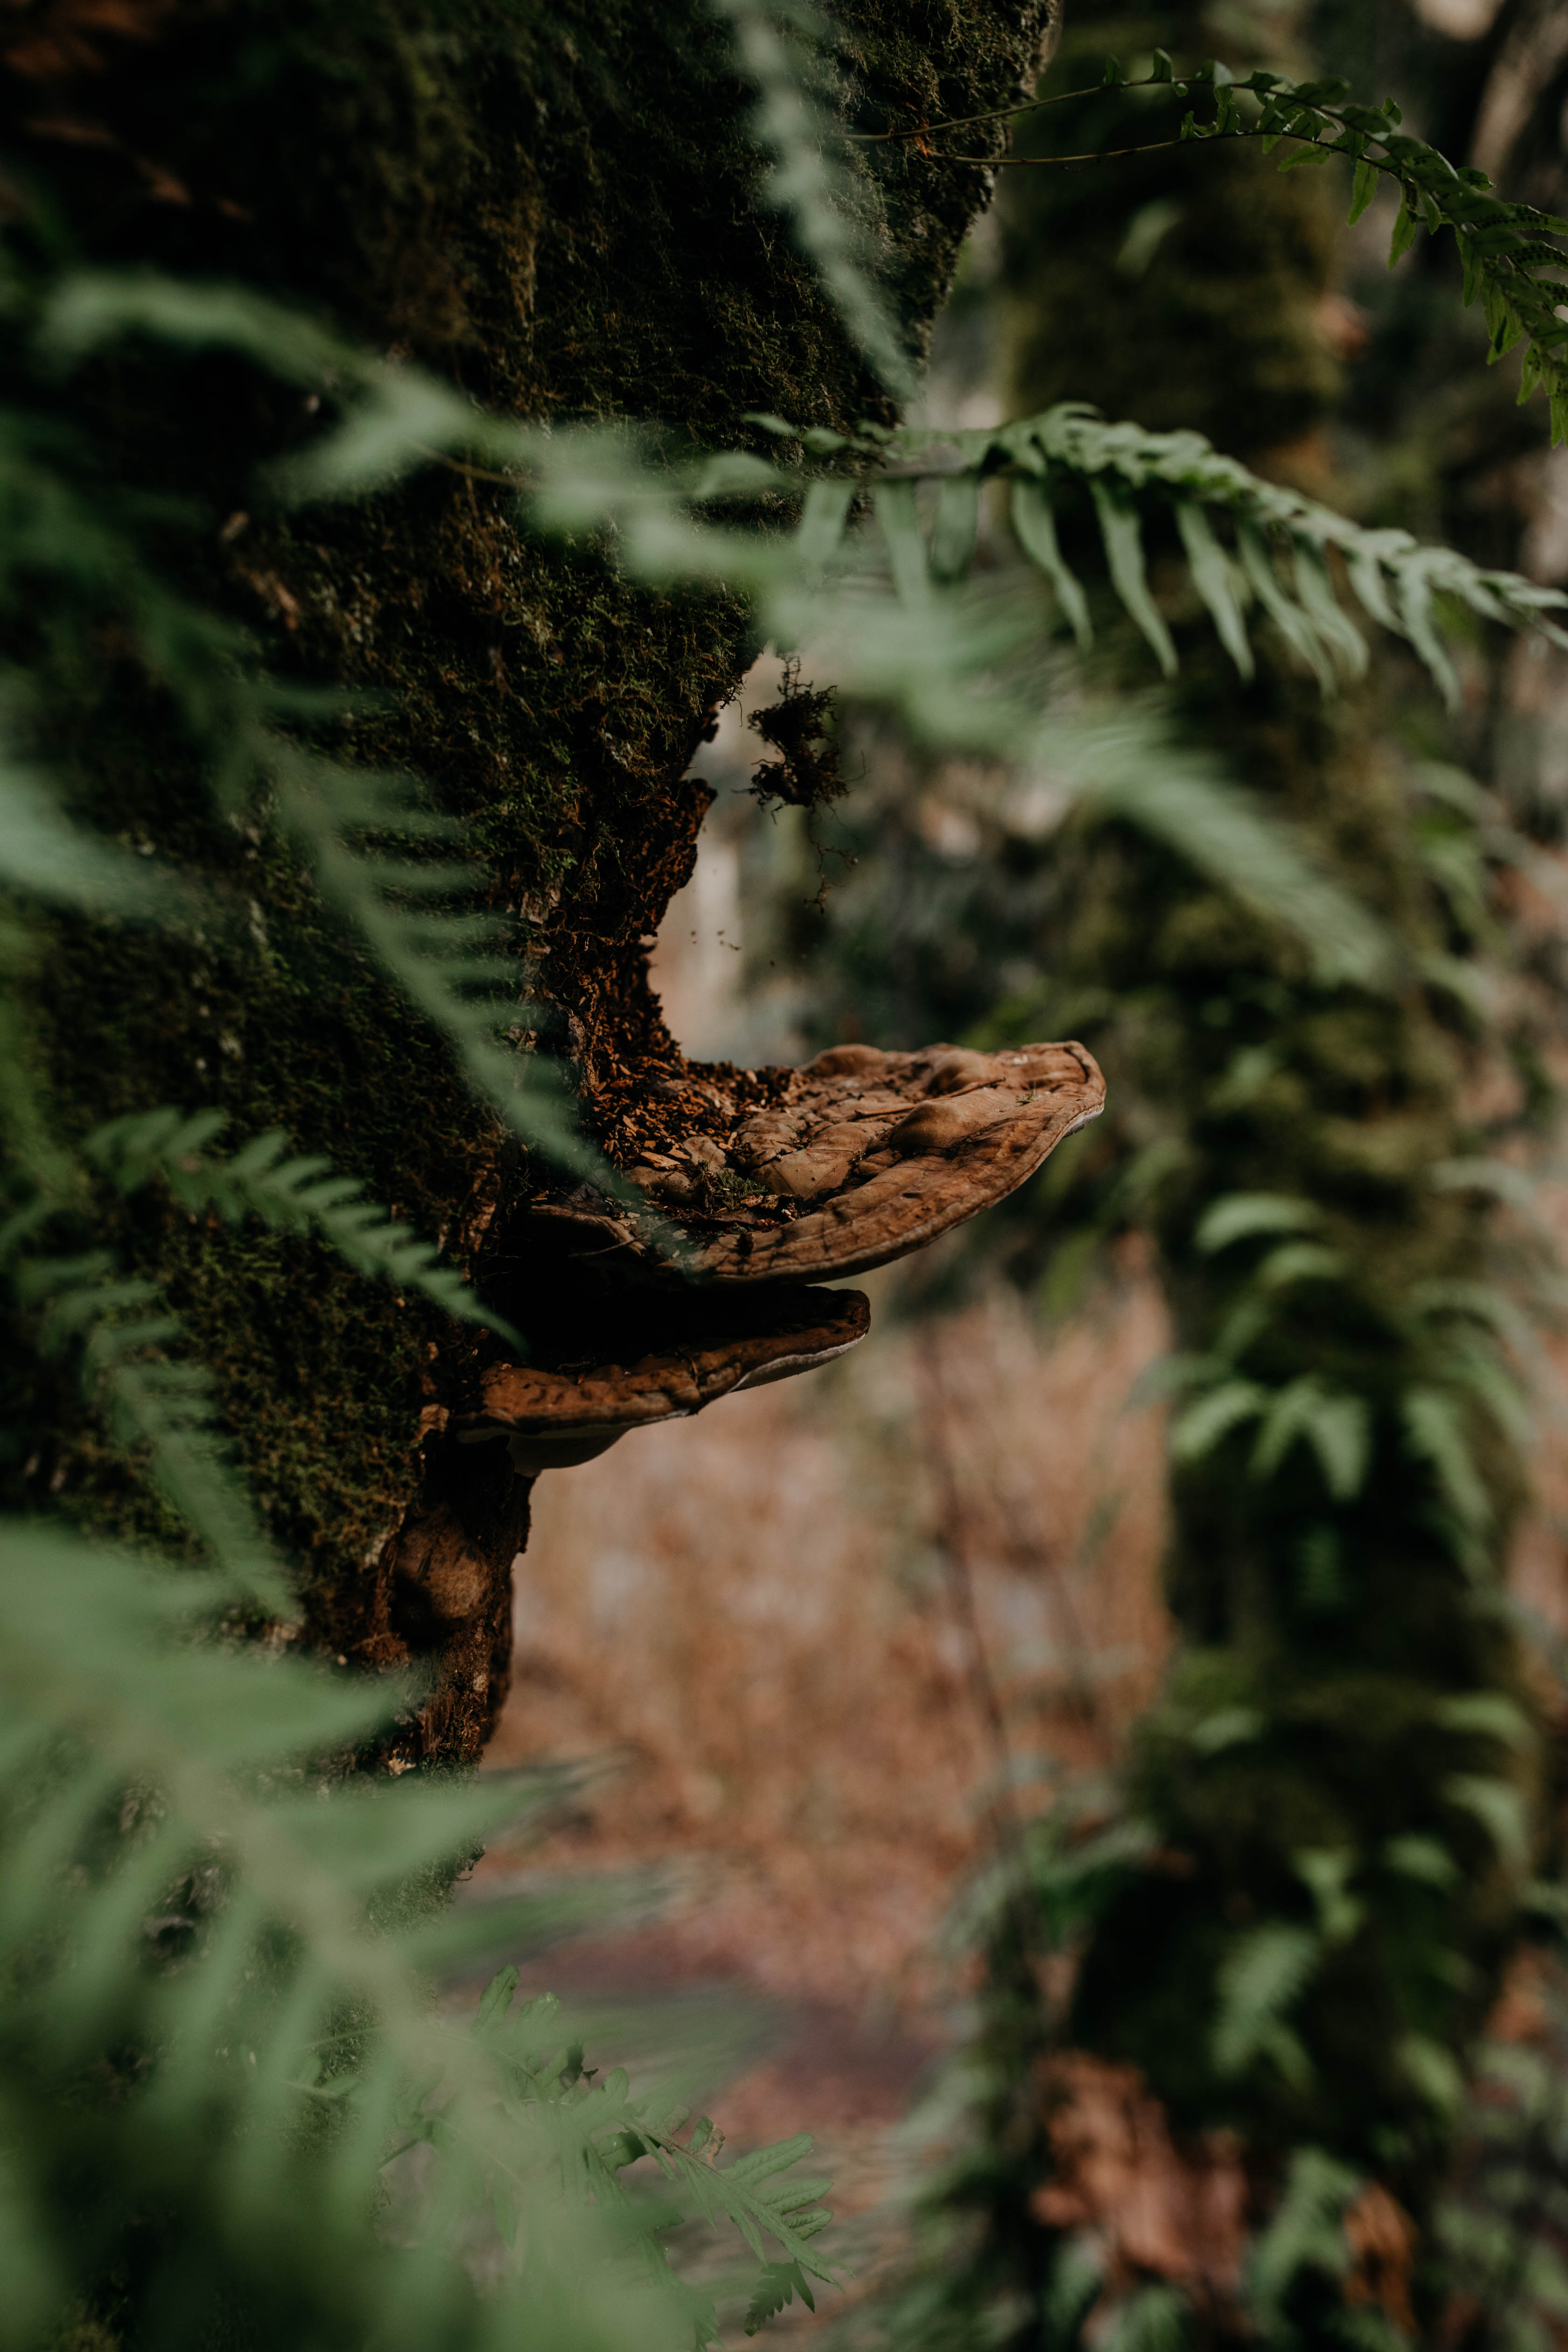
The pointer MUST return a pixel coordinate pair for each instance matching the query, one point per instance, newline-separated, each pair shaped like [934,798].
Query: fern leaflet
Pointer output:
[290,1194]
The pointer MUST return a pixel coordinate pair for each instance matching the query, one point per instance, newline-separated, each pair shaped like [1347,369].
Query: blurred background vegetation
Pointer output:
[1257,1759]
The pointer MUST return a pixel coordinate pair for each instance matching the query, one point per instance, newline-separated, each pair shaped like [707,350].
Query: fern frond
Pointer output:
[1491,1713]
[122,1331]
[1435,1433]
[46,855]
[1502,246]
[927,655]
[585,478]
[1120,528]
[1305,2232]
[1152,2319]
[1335,1424]
[389,411]
[1130,472]
[1241,1216]
[778,2284]
[1258,1983]
[737,2193]
[1077,2282]
[1226,1404]
[1036,526]
[178,1886]
[1498,1806]
[289,1194]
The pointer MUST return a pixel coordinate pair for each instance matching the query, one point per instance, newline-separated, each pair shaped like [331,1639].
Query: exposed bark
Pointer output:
[444,1592]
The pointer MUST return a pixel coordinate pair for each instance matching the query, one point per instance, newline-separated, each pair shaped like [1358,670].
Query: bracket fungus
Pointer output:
[765,1181]
[769,1179]
[664,1365]
[798,1175]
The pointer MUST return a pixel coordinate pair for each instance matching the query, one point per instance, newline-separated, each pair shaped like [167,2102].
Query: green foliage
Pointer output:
[1304,2235]
[1154,2319]
[1502,2226]
[1503,245]
[1338,1787]
[1258,1984]
[778,2286]
[216,2034]
[212,1949]
[292,1195]
[161,1410]
[927,652]
[215,1951]
[1134,476]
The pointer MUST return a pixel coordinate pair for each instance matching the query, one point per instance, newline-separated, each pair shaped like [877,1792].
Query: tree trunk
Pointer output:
[1346,1677]
[557,210]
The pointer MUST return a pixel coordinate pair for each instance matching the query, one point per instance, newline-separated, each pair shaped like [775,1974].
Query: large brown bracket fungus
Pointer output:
[793,1175]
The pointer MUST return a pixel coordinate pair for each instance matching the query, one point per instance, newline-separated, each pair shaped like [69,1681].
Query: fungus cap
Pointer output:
[857,1158]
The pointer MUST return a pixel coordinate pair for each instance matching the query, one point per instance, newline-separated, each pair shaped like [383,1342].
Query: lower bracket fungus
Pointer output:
[696,1348]
[758,1184]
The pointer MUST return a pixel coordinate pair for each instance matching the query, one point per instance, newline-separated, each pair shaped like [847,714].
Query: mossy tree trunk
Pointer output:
[555,207]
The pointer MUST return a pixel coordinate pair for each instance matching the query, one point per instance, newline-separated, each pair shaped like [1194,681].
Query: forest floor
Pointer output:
[810,1648]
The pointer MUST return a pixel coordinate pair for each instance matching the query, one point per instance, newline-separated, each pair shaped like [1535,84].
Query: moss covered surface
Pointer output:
[1323,1637]
[555,207]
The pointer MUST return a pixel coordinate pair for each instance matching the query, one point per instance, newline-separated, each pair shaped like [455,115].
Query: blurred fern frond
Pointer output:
[389,419]
[932,650]
[156,1407]
[779,2284]
[216,2035]
[1258,1984]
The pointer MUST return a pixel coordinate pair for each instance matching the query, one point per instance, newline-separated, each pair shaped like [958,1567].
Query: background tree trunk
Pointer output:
[1308,1951]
